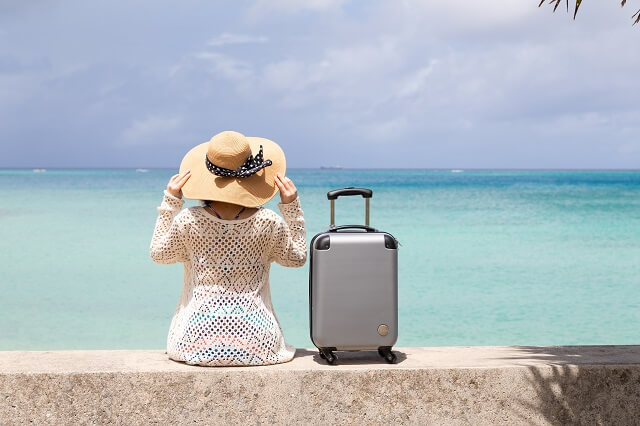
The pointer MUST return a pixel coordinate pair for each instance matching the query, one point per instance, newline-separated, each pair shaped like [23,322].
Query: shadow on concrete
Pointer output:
[574,387]
[352,357]
[580,355]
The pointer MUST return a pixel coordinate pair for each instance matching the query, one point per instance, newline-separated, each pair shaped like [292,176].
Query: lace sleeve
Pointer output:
[167,243]
[289,244]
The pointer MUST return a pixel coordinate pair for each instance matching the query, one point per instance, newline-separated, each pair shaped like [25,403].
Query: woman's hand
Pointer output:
[174,187]
[288,191]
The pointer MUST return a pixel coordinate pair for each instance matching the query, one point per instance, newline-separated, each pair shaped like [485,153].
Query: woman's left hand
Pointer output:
[288,191]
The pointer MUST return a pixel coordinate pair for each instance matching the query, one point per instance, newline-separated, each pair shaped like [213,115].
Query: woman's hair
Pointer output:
[205,203]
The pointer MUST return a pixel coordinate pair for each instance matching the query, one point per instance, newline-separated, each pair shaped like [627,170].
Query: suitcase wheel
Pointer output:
[328,355]
[385,352]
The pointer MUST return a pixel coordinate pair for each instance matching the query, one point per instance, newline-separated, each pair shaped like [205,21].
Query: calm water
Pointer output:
[487,257]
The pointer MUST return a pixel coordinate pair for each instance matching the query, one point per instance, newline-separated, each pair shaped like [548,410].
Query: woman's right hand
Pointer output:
[288,191]
[174,187]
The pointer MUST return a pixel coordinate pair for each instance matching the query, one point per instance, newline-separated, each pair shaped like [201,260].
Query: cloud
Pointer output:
[262,7]
[225,66]
[383,131]
[417,81]
[457,14]
[228,38]
[342,77]
[458,70]
[151,129]
[481,81]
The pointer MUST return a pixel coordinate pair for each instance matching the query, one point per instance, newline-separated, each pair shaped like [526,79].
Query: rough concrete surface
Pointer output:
[456,385]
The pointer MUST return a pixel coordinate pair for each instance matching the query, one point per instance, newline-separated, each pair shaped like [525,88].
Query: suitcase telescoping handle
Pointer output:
[333,195]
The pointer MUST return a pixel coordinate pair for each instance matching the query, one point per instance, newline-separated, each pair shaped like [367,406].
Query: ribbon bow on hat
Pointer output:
[251,166]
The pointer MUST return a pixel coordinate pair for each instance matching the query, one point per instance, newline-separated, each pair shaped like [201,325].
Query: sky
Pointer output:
[363,84]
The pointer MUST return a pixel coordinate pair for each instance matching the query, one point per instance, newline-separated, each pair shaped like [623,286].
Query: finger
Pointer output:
[180,183]
[279,183]
[184,180]
[179,176]
[185,173]
[174,177]
[288,183]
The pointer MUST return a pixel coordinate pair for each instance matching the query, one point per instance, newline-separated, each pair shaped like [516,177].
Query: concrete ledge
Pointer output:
[457,385]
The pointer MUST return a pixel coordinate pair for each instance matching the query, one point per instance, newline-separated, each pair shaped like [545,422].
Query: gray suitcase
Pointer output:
[353,286]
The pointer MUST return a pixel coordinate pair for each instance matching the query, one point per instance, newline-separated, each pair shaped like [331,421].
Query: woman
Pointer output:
[225,315]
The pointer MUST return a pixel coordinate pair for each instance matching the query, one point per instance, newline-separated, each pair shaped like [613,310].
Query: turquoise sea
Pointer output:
[486,257]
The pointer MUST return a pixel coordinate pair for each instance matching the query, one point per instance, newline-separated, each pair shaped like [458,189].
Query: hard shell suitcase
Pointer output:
[353,286]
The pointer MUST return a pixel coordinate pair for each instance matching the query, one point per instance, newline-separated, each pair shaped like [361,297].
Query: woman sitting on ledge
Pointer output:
[225,315]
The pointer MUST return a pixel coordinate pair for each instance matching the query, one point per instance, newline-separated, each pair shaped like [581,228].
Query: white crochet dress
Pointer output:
[225,315]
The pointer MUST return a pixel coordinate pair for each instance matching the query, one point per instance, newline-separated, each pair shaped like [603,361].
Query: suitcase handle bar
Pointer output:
[350,190]
[365,227]
[333,195]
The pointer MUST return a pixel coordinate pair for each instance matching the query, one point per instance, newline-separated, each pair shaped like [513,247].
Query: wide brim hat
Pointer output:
[234,168]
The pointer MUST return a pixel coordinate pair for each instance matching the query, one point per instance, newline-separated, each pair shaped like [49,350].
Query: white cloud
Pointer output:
[225,66]
[343,77]
[583,120]
[262,7]
[416,82]
[413,64]
[465,12]
[150,129]
[391,129]
[228,38]
[501,69]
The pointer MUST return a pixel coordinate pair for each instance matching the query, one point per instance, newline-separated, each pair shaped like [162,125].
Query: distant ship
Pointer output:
[330,167]
[39,170]
[142,170]
[456,171]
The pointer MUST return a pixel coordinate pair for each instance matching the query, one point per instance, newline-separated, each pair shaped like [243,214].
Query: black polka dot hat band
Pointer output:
[251,166]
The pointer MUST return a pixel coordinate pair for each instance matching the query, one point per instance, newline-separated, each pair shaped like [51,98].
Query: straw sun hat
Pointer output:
[233,168]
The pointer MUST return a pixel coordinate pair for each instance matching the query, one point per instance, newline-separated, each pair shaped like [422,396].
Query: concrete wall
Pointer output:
[462,385]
